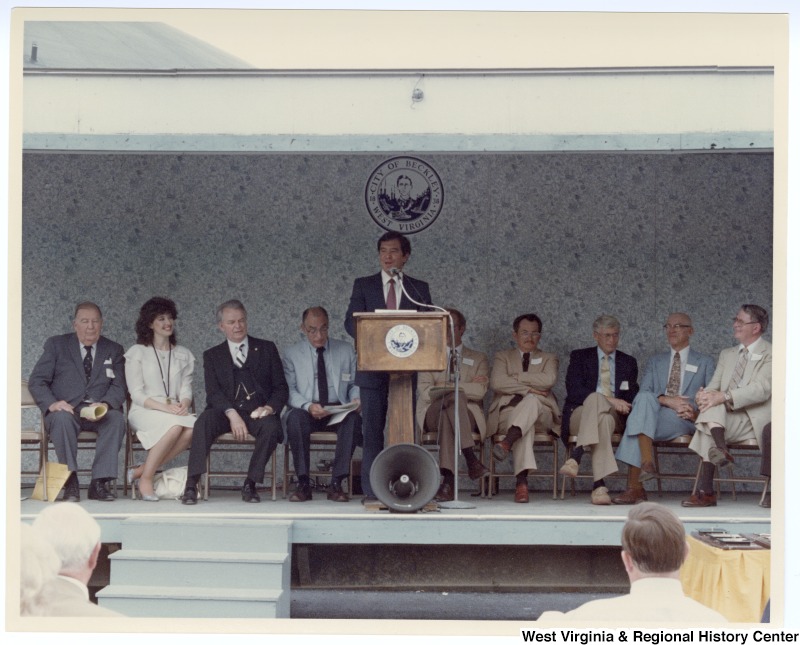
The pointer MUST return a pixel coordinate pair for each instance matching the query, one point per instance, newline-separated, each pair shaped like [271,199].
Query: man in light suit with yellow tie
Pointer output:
[522,380]
[437,413]
[737,403]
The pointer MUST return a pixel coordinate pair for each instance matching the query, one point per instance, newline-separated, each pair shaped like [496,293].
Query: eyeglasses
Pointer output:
[677,326]
[313,331]
[529,334]
[739,321]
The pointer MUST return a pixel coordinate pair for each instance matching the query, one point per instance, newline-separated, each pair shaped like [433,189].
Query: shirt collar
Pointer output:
[754,348]
[601,353]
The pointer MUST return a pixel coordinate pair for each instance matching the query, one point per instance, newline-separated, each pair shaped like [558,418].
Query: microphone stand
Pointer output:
[455,503]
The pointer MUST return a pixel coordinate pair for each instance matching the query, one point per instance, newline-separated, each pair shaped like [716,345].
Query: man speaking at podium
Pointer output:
[382,290]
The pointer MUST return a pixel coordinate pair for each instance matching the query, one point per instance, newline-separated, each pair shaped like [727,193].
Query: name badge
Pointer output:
[346,376]
[107,361]
[109,372]
[756,357]
[624,386]
[536,361]
[468,361]
[691,368]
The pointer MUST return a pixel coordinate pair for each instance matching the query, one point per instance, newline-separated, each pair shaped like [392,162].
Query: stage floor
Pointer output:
[571,521]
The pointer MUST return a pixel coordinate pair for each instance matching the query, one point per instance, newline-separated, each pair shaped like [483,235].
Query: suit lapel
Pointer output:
[74,350]
[225,369]
[688,376]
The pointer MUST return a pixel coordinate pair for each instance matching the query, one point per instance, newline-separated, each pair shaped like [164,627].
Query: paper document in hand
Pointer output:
[94,412]
[340,412]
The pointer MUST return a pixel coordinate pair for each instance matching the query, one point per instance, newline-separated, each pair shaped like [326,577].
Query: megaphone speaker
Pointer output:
[404,477]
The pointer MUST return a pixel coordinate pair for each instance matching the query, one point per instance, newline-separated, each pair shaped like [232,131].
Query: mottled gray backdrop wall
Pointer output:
[566,235]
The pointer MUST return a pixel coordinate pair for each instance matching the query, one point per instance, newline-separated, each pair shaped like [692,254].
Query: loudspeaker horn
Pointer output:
[404,477]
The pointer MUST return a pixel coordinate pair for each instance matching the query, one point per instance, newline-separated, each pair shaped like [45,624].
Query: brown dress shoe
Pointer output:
[700,499]
[631,496]
[477,470]
[336,494]
[521,493]
[301,494]
[445,493]
[648,471]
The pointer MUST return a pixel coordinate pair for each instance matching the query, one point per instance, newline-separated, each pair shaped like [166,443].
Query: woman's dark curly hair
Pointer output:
[151,310]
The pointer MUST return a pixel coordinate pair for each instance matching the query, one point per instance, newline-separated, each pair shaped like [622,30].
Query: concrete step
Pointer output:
[194,602]
[205,534]
[249,570]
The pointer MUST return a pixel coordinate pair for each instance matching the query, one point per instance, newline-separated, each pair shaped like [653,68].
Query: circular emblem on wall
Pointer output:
[402,341]
[404,194]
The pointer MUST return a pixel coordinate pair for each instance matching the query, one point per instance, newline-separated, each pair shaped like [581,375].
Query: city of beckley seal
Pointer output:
[402,341]
[404,194]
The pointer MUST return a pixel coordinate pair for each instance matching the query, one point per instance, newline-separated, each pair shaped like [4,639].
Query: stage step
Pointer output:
[166,564]
[194,602]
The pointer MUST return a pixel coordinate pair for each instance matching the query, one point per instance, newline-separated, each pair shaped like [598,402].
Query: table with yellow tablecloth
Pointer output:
[735,582]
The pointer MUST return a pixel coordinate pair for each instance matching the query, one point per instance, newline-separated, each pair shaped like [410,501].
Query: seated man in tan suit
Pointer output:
[437,413]
[737,403]
[522,379]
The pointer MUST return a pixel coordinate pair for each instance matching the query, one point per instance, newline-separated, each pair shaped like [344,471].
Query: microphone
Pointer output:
[395,271]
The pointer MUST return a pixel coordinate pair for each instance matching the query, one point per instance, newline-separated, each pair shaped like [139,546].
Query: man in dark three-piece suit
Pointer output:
[245,393]
[382,290]
[664,408]
[601,384]
[321,372]
[75,373]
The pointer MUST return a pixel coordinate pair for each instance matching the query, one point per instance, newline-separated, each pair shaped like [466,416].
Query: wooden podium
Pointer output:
[401,342]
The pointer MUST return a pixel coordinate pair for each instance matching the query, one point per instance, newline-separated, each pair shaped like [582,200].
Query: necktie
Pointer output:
[453,364]
[322,377]
[526,361]
[738,372]
[87,361]
[240,357]
[674,382]
[605,376]
[391,297]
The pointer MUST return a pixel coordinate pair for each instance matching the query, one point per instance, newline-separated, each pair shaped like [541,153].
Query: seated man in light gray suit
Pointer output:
[664,408]
[320,372]
[75,372]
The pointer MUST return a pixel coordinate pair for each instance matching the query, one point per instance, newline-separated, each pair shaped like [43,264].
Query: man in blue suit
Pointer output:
[75,373]
[665,407]
[320,372]
[384,290]
[601,385]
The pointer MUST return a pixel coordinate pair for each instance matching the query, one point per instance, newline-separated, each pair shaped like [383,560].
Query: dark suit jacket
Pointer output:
[368,296]
[582,375]
[58,374]
[265,365]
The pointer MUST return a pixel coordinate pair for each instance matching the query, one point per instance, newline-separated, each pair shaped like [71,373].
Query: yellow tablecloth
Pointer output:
[735,582]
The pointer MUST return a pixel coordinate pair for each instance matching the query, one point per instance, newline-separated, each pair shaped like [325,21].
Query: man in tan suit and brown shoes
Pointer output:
[522,380]
[737,403]
[436,406]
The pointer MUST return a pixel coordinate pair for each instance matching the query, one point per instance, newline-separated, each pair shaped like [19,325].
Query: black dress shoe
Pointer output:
[301,494]
[336,494]
[99,492]
[189,496]
[249,493]
[72,490]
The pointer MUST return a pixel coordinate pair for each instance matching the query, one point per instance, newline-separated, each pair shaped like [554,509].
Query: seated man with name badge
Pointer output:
[320,372]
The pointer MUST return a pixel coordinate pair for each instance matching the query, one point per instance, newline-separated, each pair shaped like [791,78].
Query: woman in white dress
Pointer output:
[159,376]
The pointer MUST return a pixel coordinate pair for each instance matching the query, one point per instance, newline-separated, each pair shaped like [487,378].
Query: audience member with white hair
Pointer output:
[38,569]
[654,549]
[75,536]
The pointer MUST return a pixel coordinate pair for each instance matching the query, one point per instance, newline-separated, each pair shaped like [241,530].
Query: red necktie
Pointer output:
[391,297]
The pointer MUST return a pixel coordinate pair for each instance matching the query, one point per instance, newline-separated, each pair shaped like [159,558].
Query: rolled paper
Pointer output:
[94,412]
